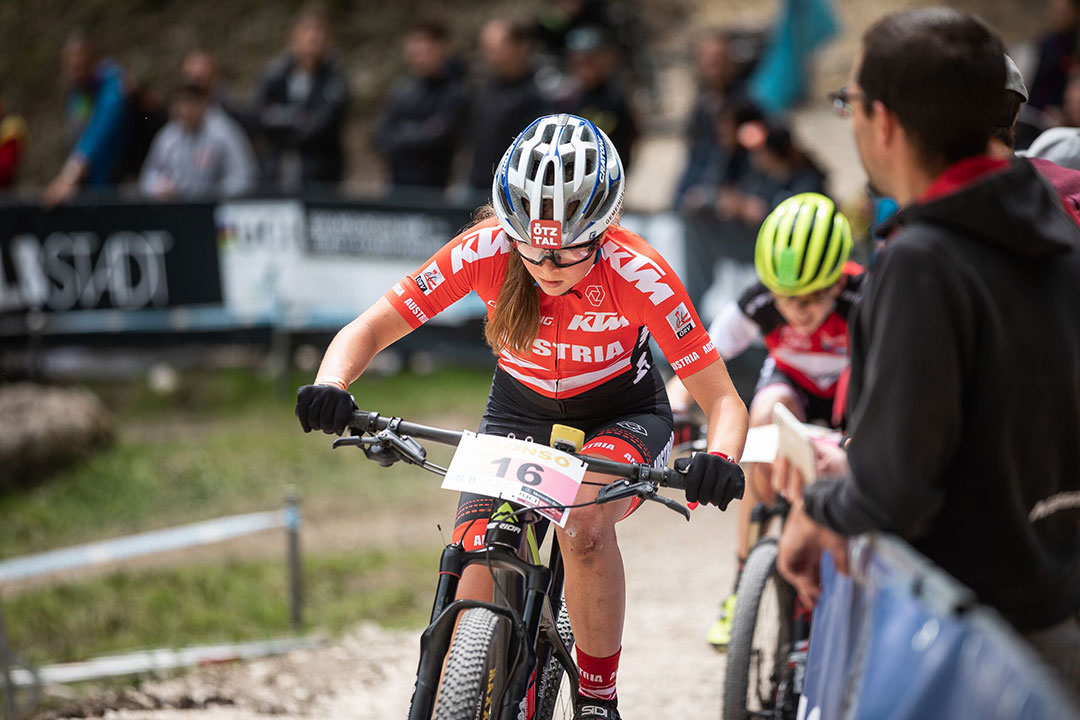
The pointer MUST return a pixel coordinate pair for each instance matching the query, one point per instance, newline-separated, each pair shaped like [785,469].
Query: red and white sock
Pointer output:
[596,676]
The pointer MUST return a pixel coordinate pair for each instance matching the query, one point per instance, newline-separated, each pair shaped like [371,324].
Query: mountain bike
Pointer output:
[507,659]
[766,658]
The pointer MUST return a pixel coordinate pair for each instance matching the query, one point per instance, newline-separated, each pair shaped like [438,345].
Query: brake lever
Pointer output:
[646,489]
[671,505]
[385,443]
[624,489]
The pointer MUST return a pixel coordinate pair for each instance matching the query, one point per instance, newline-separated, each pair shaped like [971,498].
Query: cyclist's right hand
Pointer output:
[324,407]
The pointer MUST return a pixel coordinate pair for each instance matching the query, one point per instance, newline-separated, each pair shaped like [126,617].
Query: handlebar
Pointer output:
[372,422]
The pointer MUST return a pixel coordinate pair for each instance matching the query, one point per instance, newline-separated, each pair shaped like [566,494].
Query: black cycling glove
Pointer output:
[711,479]
[324,407]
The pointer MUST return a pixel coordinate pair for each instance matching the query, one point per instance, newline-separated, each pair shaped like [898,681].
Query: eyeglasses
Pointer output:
[563,257]
[841,101]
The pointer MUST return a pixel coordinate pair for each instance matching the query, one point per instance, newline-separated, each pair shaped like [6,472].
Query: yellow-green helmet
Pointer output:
[802,245]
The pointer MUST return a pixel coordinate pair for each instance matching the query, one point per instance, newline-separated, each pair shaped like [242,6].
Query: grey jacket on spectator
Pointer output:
[215,160]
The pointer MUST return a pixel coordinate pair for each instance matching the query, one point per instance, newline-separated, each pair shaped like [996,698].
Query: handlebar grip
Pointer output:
[372,422]
[674,479]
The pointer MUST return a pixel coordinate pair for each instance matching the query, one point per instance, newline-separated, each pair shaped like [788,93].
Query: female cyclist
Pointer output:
[572,299]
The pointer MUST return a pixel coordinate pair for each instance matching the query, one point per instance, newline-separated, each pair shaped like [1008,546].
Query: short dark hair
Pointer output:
[1005,129]
[432,29]
[942,72]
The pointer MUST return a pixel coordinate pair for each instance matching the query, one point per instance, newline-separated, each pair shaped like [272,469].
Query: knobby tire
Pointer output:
[759,581]
[477,668]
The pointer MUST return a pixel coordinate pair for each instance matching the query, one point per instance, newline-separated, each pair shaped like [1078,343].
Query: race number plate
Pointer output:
[525,473]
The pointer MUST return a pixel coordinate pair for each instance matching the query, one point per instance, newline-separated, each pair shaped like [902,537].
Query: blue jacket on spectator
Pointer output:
[96,123]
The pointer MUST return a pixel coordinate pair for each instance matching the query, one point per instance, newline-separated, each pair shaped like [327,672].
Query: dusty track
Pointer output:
[676,572]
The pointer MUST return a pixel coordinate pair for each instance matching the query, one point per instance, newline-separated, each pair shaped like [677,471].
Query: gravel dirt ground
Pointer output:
[676,573]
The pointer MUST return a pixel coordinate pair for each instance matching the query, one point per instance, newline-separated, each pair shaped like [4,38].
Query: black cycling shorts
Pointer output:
[642,435]
[816,409]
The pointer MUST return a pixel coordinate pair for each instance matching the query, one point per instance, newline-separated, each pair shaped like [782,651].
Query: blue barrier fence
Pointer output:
[901,639]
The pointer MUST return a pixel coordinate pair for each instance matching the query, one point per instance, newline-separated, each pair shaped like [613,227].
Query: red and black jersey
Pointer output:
[815,360]
[596,333]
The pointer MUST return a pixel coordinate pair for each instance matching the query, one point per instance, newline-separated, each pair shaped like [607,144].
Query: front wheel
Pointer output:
[761,637]
[477,668]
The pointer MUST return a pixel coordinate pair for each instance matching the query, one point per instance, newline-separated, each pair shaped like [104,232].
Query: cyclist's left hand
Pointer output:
[711,479]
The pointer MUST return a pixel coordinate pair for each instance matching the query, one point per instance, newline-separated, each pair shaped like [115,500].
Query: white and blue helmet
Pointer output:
[570,161]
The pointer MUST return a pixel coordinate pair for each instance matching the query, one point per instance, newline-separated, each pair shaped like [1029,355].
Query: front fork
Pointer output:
[435,640]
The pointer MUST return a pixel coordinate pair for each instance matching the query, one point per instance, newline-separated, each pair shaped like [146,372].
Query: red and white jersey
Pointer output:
[594,333]
[815,360]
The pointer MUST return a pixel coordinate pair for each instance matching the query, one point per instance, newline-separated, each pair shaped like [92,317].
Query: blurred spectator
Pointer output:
[717,82]
[778,169]
[597,94]
[1070,101]
[145,114]
[200,152]
[300,108]
[418,126]
[12,146]
[94,118]
[782,76]
[506,100]
[727,166]
[199,67]
[1060,145]
[1057,55]
[562,17]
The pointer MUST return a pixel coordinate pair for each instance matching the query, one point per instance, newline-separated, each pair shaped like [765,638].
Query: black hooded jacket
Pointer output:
[964,402]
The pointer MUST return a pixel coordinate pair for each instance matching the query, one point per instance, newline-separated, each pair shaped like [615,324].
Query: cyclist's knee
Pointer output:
[588,535]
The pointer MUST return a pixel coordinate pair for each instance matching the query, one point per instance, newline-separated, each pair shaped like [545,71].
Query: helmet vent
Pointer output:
[590,161]
[534,164]
[549,175]
[568,171]
[549,134]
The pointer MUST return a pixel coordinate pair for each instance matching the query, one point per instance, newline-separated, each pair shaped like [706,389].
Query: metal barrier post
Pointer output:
[296,589]
[6,662]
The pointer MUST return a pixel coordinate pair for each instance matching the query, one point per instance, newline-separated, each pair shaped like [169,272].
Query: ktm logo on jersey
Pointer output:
[598,322]
[639,270]
[484,244]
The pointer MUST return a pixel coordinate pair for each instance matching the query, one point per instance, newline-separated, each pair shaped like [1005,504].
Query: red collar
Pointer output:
[960,174]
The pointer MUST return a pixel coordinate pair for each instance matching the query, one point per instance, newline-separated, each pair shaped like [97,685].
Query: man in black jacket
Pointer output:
[300,108]
[964,402]
[505,102]
[420,123]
